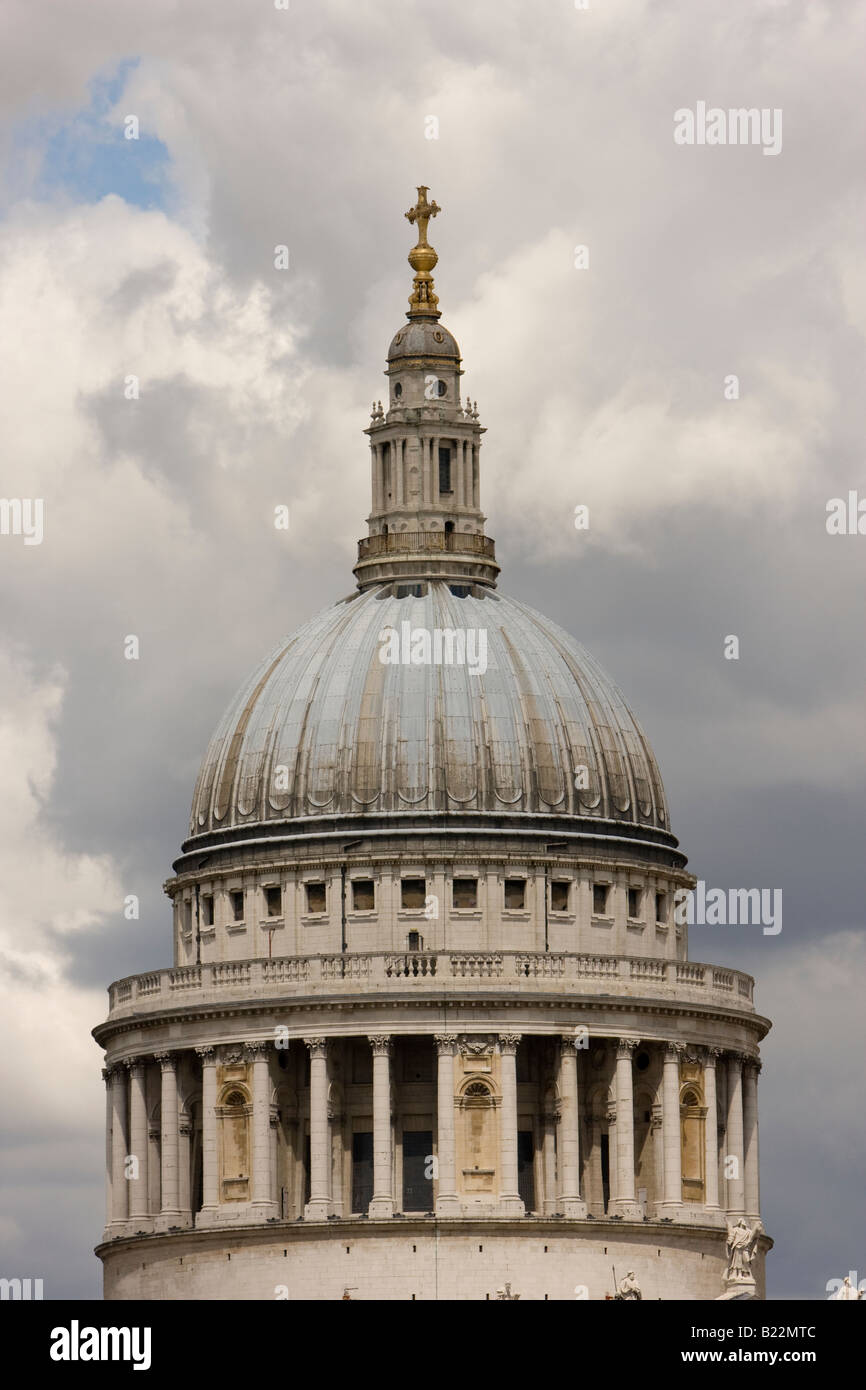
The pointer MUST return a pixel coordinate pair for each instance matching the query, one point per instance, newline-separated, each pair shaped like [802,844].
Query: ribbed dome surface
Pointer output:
[357,735]
[423,338]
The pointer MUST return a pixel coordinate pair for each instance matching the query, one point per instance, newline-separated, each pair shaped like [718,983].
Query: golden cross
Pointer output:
[421,213]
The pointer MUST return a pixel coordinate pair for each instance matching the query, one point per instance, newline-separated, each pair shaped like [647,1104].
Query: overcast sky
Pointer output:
[602,386]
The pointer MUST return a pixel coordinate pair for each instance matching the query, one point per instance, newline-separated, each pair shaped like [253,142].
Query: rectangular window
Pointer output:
[661,907]
[315,897]
[274,901]
[559,895]
[362,1171]
[515,893]
[413,893]
[444,470]
[207,909]
[634,897]
[599,899]
[186,916]
[363,895]
[236,902]
[417,1170]
[526,1168]
[465,892]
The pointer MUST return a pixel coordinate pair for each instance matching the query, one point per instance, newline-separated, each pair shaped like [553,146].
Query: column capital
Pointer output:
[134,1065]
[109,1073]
[256,1051]
[736,1059]
[625,1048]
[446,1044]
[382,1044]
[569,1047]
[753,1065]
[207,1055]
[713,1054]
[508,1043]
[318,1047]
[184,1129]
[611,1112]
[167,1060]
[674,1051]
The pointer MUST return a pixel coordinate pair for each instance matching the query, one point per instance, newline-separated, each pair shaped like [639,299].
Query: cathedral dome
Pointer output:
[325,727]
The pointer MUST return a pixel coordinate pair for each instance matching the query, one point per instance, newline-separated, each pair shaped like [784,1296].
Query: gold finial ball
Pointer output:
[422,259]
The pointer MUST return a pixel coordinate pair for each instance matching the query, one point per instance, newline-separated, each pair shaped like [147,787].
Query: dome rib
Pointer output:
[359,736]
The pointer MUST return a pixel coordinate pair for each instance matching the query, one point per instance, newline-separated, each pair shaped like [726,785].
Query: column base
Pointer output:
[317,1210]
[669,1211]
[139,1223]
[573,1207]
[380,1207]
[166,1220]
[627,1208]
[263,1211]
[448,1205]
[510,1204]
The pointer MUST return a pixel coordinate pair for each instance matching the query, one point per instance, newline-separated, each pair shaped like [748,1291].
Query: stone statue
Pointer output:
[506,1294]
[847,1291]
[629,1288]
[740,1249]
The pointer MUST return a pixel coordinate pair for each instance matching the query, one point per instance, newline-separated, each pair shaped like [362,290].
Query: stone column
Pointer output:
[734,1154]
[509,1196]
[711,1162]
[184,1158]
[399,481]
[551,1197]
[570,1201]
[750,1139]
[262,1184]
[169,1198]
[209,1157]
[447,1201]
[426,485]
[382,1203]
[106,1077]
[119,1112]
[319,1206]
[612,1170]
[671,1136]
[138,1205]
[626,1198]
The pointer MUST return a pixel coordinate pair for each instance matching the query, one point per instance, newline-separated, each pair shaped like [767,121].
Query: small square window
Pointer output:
[515,893]
[465,892]
[661,907]
[559,895]
[207,909]
[634,897]
[363,895]
[599,899]
[274,901]
[413,893]
[316,901]
[236,901]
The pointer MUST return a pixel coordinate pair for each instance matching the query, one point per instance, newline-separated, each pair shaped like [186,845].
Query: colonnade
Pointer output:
[129,1183]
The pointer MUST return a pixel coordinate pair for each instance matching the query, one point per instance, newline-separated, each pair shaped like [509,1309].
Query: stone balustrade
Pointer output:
[459,972]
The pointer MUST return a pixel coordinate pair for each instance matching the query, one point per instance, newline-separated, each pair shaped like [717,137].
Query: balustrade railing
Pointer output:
[437,969]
